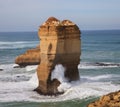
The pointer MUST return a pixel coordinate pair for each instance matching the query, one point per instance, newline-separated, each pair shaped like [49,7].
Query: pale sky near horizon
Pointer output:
[27,15]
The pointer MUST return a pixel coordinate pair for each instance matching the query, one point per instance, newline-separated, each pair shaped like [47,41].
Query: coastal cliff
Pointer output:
[30,57]
[109,100]
[59,44]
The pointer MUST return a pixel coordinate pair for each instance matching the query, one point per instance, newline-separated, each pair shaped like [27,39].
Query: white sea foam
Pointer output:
[34,80]
[7,67]
[97,66]
[15,65]
[19,44]
[31,67]
[23,90]
[58,73]
[98,78]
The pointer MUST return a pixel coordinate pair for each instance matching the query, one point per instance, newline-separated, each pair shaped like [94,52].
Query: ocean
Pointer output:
[99,71]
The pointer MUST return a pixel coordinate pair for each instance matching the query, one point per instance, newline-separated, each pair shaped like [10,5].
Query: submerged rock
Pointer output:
[1,69]
[109,100]
[107,64]
[59,44]
[30,57]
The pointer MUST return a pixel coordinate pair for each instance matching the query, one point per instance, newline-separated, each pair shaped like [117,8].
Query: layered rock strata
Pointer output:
[109,100]
[30,57]
[59,44]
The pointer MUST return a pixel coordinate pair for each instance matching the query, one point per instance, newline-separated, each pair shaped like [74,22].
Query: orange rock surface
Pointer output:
[109,100]
[30,57]
[59,44]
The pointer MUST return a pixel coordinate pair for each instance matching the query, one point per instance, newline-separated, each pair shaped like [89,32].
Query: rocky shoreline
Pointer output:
[109,100]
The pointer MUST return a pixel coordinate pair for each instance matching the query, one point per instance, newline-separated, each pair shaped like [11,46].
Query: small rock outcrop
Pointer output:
[59,44]
[1,69]
[109,100]
[30,57]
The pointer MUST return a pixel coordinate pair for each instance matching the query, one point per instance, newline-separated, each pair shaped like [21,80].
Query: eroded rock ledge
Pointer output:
[109,100]
[30,57]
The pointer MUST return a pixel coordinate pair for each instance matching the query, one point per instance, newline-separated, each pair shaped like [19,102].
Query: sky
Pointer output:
[28,15]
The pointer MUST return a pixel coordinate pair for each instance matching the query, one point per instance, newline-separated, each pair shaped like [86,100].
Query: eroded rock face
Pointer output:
[30,57]
[109,100]
[59,44]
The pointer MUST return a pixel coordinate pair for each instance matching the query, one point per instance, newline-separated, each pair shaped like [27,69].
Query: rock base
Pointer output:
[50,87]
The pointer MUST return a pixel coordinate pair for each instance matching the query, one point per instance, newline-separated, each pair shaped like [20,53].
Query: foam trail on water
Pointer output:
[34,80]
[32,67]
[17,45]
[22,90]
[101,77]
[99,65]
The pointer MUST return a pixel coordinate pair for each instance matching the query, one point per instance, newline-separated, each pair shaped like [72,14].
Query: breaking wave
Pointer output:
[18,45]
[21,88]
[98,65]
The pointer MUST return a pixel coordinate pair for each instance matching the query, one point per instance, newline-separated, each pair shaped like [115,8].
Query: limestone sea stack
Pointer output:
[59,44]
[30,57]
[109,100]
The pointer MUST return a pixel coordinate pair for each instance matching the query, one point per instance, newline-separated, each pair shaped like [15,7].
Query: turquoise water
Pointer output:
[71,103]
[99,71]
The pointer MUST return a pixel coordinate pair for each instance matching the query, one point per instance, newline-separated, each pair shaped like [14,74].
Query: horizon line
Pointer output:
[80,30]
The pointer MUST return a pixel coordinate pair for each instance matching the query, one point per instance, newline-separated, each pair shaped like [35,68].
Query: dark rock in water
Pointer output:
[59,44]
[52,85]
[19,66]
[17,76]
[106,64]
[1,69]
[109,100]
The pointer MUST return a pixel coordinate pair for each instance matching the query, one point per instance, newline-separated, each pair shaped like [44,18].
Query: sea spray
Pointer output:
[18,45]
[59,73]
[32,67]
[34,80]
[23,90]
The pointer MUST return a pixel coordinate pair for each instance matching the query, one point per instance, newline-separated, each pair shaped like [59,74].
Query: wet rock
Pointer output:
[52,85]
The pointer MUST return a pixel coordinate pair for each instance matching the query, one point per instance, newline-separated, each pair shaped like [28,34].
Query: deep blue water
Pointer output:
[101,46]
[96,45]
[18,36]
[13,44]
